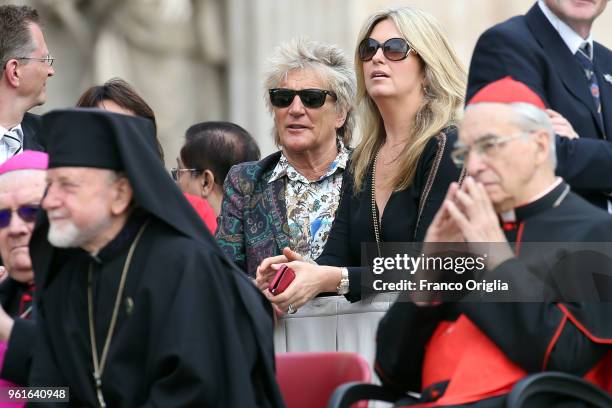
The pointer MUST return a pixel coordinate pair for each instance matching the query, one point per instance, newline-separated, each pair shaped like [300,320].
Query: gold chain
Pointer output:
[101,363]
[374,212]
[26,313]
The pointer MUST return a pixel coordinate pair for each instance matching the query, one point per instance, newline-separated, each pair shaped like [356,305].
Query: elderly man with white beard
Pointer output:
[137,304]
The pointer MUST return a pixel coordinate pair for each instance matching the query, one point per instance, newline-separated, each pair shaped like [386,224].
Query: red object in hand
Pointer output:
[281,280]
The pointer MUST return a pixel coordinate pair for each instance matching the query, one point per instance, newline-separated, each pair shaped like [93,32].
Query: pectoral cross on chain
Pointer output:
[99,390]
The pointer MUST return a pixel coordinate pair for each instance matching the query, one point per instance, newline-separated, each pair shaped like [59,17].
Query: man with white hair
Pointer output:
[137,304]
[22,184]
[511,195]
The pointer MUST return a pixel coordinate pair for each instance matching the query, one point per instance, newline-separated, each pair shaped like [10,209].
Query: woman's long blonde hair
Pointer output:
[445,79]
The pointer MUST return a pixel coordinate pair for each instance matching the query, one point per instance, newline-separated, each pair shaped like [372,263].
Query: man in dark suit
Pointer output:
[26,65]
[552,51]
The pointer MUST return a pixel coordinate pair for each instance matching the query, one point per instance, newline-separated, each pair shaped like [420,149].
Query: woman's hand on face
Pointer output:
[310,280]
[265,272]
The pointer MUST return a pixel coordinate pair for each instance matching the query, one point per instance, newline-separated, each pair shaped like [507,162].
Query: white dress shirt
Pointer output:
[569,36]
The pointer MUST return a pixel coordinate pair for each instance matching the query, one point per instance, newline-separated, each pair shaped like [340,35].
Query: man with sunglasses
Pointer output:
[26,65]
[289,198]
[511,194]
[551,49]
[22,184]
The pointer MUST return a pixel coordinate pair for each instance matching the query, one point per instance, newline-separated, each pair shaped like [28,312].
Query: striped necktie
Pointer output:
[583,55]
[12,143]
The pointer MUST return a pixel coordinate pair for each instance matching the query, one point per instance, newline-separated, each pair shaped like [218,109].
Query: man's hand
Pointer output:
[443,227]
[561,126]
[474,214]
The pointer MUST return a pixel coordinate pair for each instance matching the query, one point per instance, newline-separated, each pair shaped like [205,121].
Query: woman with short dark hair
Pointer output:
[116,95]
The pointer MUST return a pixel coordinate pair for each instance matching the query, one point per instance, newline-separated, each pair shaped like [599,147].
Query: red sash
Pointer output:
[476,368]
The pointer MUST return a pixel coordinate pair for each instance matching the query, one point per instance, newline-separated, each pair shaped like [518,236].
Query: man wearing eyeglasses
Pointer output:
[511,194]
[26,65]
[22,184]
[551,49]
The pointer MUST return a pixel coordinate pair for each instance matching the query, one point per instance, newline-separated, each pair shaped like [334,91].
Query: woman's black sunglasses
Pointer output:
[394,49]
[311,98]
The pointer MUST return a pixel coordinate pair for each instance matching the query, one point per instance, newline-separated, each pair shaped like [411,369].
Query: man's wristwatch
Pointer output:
[343,285]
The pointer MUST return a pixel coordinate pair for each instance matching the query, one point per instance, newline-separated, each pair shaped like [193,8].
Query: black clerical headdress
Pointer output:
[97,138]
[85,138]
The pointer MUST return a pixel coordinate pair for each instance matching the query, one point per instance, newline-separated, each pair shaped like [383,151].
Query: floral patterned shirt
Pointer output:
[311,205]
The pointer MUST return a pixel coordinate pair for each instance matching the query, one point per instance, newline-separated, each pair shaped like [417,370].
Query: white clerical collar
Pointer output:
[569,36]
[558,180]
[510,216]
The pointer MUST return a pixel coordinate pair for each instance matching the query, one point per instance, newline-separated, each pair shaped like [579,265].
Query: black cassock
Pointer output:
[524,332]
[16,299]
[191,329]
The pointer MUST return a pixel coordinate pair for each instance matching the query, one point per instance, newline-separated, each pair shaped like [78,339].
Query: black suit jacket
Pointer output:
[30,125]
[529,49]
[405,218]
[18,355]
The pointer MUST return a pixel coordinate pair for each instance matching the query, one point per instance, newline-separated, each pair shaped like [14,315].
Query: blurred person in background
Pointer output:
[116,95]
[210,150]
[22,184]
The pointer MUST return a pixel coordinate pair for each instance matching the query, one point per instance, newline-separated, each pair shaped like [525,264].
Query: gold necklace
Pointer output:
[392,161]
[100,363]
[374,211]
[26,312]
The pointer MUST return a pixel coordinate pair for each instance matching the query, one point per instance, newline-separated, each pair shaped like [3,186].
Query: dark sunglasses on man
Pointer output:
[311,98]
[27,213]
[394,49]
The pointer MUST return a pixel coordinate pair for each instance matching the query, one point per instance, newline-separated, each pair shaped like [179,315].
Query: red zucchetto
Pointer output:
[507,90]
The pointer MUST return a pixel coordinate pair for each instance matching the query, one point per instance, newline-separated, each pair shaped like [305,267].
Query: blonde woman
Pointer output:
[410,87]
